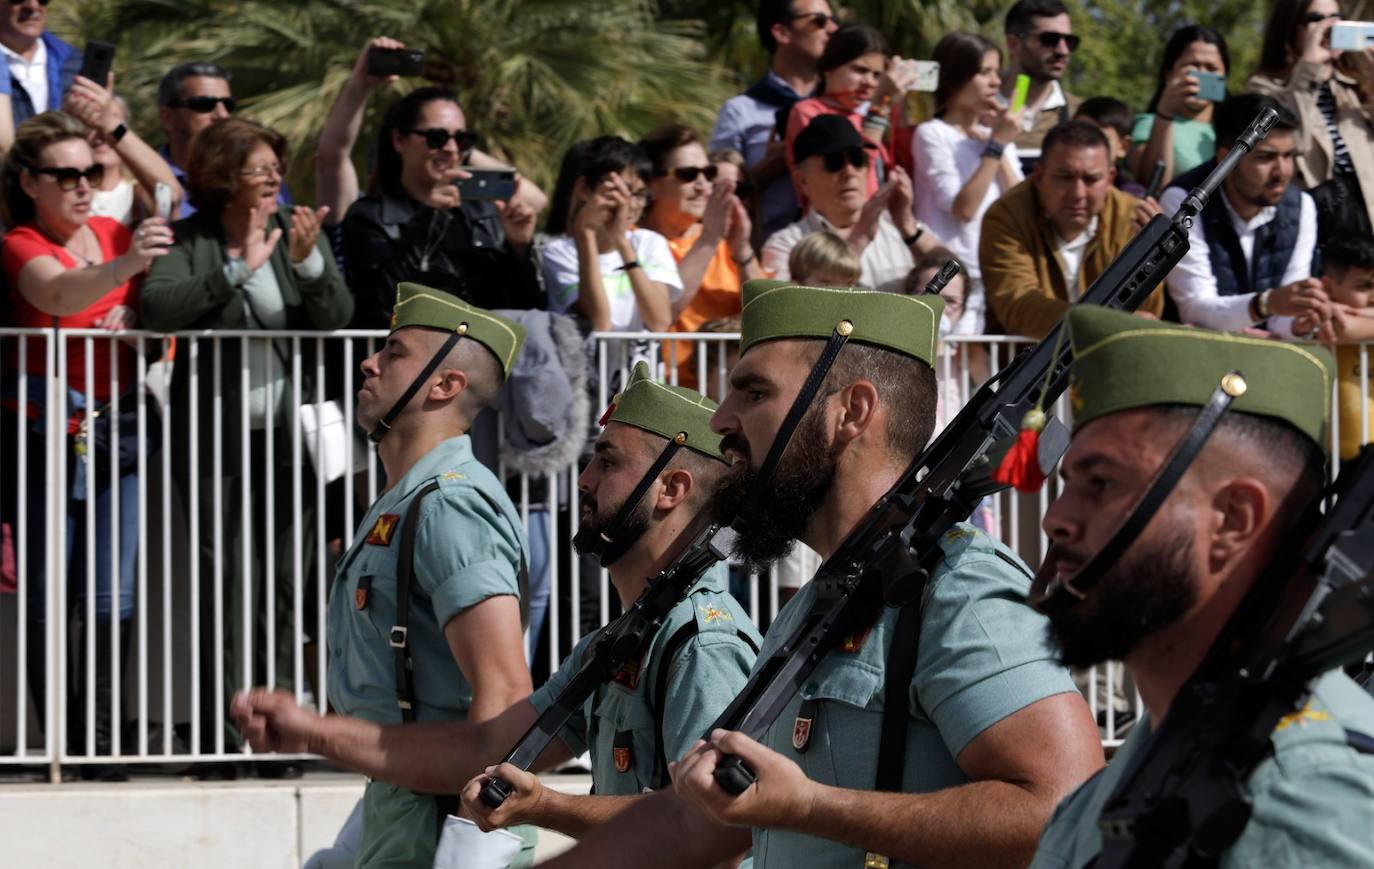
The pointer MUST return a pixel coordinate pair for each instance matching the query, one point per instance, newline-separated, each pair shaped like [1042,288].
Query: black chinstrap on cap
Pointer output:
[384,424]
[1060,595]
[611,544]
[800,405]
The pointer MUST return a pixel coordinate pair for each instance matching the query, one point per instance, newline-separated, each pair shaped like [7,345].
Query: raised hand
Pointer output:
[716,220]
[93,104]
[258,244]
[150,241]
[305,231]
[360,73]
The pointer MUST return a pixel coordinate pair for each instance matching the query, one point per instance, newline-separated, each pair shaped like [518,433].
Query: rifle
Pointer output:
[626,638]
[1183,795]
[890,556]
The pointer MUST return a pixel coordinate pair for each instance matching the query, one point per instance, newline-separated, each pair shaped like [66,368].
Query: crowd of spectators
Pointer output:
[822,171]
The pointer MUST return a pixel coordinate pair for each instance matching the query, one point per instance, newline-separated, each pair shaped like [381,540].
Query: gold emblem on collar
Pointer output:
[844,327]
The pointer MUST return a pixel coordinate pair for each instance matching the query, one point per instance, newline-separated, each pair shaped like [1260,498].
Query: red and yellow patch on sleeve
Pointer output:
[382,531]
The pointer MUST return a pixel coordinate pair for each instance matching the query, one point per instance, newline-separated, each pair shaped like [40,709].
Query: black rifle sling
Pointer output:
[660,697]
[384,424]
[901,667]
[399,636]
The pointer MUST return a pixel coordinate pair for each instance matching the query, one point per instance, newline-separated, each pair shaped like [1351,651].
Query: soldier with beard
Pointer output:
[655,466]
[1136,388]
[996,734]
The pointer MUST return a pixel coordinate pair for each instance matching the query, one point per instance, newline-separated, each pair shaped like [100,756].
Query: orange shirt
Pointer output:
[718,296]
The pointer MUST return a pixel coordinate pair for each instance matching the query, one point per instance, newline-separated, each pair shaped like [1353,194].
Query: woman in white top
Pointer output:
[964,156]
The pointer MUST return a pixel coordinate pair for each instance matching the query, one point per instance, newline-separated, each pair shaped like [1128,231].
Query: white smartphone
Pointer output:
[927,76]
[1352,35]
[162,196]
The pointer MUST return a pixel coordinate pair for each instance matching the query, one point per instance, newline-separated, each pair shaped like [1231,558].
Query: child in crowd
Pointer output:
[823,259]
[617,276]
[1348,280]
[1113,118]
[961,367]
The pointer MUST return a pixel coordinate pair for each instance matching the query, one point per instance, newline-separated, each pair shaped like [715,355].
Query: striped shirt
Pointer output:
[1326,103]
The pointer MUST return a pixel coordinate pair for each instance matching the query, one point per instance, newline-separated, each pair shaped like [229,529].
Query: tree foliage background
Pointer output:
[538,75]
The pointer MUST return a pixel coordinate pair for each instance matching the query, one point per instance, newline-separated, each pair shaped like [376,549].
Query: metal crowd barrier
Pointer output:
[211,484]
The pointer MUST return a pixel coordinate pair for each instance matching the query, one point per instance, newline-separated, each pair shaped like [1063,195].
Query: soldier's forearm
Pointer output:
[659,830]
[574,815]
[431,757]
[989,823]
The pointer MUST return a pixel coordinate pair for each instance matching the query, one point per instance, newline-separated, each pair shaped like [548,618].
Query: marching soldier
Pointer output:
[655,467]
[1137,389]
[424,618]
[994,732]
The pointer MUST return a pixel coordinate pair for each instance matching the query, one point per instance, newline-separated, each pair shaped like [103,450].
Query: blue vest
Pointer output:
[1274,241]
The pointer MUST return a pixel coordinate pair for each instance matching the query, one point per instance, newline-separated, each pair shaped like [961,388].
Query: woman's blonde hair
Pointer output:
[824,258]
[26,154]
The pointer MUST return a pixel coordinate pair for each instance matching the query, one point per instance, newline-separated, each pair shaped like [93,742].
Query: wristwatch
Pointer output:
[118,133]
[909,240]
[994,149]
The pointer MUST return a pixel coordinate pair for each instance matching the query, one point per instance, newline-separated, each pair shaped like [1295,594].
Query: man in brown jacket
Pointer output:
[1050,236]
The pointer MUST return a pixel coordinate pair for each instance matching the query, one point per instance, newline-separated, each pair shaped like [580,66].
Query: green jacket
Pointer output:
[187,289]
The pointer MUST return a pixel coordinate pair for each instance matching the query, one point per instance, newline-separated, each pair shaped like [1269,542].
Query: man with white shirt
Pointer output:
[1052,235]
[794,33]
[1252,246]
[41,66]
[832,170]
[1040,39]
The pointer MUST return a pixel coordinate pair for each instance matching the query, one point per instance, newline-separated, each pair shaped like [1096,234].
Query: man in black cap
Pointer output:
[832,170]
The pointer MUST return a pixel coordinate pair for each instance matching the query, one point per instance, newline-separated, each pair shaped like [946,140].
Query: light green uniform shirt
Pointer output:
[982,655]
[1313,798]
[706,671]
[1195,142]
[469,543]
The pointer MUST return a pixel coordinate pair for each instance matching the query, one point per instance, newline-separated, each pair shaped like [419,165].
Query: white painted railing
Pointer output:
[254,495]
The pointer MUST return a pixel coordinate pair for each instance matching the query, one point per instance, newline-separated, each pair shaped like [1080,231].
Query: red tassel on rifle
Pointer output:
[1020,467]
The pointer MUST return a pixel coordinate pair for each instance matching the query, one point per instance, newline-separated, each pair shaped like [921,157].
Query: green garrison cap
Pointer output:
[667,411]
[422,306]
[1122,362]
[783,309]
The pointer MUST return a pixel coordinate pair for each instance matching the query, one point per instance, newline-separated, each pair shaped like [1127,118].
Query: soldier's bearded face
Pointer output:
[1149,588]
[597,518]
[770,524]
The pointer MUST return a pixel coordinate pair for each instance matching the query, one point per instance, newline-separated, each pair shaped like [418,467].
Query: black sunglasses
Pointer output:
[436,138]
[1317,17]
[40,2]
[1050,39]
[68,178]
[688,174]
[204,105]
[853,155]
[817,20]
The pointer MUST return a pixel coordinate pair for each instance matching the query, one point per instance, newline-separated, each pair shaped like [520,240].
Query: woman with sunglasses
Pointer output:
[1329,92]
[859,80]
[243,262]
[965,157]
[707,229]
[132,168]
[1177,125]
[414,225]
[68,269]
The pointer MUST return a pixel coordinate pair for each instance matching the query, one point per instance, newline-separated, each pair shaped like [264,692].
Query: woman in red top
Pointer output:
[860,80]
[67,269]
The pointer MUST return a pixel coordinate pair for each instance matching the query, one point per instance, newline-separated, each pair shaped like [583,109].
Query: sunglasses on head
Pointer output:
[1050,39]
[817,20]
[68,178]
[1317,17]
[688,174]
[204,105]
[853,155]
[436,138]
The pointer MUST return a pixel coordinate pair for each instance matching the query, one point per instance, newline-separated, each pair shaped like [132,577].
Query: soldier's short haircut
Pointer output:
[905,384]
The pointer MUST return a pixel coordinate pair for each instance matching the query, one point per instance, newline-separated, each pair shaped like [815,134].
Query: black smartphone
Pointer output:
[97,60]
[395,61]
[487,184]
